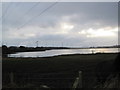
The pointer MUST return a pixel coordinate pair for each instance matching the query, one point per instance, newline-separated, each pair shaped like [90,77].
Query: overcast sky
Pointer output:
[74,24]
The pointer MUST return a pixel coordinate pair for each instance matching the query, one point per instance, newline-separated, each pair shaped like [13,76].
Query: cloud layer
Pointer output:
[73,24]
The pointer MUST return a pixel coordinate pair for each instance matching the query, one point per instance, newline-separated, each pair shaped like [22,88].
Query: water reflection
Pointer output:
[63,52]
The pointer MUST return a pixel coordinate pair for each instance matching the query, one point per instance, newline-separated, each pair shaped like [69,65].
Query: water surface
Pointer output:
[56,52]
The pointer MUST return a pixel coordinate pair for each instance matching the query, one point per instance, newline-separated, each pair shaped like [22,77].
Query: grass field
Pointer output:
[89,64]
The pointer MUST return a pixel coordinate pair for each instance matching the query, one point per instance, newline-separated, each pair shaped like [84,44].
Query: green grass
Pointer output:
[86,63]
[55,64]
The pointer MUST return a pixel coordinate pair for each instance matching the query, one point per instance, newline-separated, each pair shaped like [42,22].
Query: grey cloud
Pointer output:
[92,11]
[81,15]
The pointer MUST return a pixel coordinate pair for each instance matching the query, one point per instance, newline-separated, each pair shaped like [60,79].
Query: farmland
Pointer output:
[89,64]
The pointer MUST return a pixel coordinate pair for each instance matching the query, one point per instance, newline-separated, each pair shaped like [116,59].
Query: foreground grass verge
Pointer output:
[87,63]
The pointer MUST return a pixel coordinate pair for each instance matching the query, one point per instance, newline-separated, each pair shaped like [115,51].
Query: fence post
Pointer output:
[75,84]
[11,78]
[80,80]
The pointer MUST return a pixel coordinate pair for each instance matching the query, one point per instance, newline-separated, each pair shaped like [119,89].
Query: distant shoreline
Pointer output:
[13,49]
